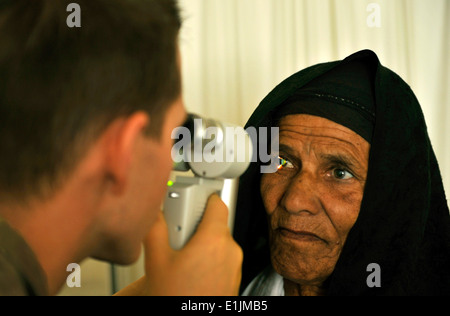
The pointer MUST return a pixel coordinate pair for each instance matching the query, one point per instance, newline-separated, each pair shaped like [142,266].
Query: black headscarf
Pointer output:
[344,95]
[404,220]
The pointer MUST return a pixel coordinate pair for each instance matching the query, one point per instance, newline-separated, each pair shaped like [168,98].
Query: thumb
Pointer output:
[215,215]
[156,243]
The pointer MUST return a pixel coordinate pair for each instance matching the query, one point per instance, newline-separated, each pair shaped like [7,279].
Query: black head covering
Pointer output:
[404,221]
[343,95]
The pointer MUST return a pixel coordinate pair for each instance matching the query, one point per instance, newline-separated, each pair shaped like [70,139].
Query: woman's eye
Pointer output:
[342,174]
[284,163]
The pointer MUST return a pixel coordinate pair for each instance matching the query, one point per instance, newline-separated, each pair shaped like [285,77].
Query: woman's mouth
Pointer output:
[299,235]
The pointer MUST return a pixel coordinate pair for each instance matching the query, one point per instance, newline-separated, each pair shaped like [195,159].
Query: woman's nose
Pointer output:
[302,195]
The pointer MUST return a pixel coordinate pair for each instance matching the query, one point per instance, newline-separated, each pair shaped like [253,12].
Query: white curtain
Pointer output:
[236,51]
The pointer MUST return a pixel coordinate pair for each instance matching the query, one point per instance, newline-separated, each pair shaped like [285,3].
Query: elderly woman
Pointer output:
[357,206]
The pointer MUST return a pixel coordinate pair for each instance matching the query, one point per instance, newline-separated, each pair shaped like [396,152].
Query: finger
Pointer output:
[157,240]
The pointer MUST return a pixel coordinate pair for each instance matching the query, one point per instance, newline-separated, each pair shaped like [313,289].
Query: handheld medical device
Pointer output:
[217,154]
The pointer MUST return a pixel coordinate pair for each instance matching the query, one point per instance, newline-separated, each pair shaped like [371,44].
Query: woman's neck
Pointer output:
[295,289]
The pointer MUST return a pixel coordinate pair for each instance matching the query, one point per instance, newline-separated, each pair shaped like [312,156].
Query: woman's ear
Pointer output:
[121,138]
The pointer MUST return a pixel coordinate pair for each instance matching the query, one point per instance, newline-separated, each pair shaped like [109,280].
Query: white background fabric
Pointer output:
[236,51]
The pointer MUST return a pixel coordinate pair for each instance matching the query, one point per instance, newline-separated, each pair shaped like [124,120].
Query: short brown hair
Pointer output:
[60,87]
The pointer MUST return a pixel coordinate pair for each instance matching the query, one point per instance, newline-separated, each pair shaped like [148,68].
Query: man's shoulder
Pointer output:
[20,271]
[11,283]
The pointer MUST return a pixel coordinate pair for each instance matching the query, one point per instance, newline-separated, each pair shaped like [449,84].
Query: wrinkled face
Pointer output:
[314,199]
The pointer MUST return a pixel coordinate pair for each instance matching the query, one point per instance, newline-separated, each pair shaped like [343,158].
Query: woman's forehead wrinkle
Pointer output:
[318,131]
[302,138]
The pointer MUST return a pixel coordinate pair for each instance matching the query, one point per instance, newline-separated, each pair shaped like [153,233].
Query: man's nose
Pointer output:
[302,195]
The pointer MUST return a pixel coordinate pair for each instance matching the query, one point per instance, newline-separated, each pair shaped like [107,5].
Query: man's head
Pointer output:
[61,87]
[87,113]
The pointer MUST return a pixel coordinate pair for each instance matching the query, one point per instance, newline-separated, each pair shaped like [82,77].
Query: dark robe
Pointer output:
[404,220]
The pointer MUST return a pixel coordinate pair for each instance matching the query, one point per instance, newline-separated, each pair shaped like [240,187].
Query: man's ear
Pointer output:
[122,136]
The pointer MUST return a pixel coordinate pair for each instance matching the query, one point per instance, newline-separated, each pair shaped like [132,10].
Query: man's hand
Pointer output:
[209,265]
